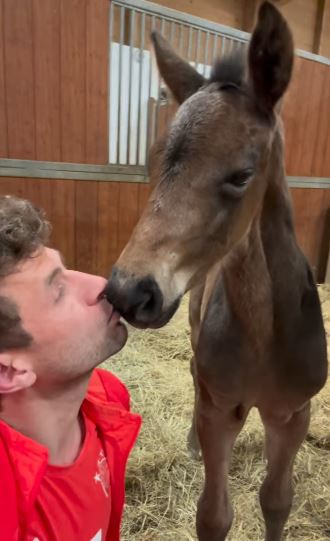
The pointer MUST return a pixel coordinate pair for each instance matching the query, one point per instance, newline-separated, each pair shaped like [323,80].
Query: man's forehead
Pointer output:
[39,265]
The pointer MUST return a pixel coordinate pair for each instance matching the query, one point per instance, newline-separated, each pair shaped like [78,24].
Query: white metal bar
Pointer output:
[111,15]
[121,36]
[131,47]
[206,52]
[140,86]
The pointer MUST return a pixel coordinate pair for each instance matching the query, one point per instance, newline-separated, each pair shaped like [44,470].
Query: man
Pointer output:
[65,428]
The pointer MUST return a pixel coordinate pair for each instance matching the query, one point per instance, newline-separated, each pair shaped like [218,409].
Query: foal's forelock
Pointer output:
[192,127]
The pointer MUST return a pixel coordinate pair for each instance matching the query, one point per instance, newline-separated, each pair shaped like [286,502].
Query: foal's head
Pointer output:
[210,171]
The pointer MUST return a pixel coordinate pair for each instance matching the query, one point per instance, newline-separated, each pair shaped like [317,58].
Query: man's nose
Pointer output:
[93,286]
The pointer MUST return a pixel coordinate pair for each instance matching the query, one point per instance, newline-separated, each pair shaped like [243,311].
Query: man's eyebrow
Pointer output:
[51,277]
[58,270]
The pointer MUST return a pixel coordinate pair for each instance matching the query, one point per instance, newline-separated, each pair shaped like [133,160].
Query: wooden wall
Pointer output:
[53,106]
[303,16]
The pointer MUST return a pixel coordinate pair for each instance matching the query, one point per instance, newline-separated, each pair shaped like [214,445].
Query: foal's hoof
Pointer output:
[194,449]
[194,453]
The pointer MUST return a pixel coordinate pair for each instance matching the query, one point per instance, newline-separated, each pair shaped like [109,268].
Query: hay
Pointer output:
[163,482]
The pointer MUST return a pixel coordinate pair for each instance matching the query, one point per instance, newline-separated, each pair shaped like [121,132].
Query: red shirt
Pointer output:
[27,480]
[74,501]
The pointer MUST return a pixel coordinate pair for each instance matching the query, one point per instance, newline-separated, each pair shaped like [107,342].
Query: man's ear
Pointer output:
[15,373]
[181,78]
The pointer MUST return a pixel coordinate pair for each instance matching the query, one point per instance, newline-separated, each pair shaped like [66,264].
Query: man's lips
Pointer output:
[114,316]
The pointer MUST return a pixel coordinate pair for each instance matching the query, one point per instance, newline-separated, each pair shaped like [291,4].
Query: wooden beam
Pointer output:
[249,15]
[319,23]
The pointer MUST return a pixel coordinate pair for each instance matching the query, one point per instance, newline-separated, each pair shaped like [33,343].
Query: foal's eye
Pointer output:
[239,178]
[235,183]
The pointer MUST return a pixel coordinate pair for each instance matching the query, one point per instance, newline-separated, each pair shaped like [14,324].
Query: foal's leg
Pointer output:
[217,431]
[276,494]
[196,296]
[193,441]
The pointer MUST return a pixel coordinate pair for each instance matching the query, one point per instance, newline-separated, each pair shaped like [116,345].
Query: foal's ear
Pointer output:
[270,57]
[181,78]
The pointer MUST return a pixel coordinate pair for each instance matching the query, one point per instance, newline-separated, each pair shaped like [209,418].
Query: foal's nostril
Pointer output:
[147,300]
[139,301]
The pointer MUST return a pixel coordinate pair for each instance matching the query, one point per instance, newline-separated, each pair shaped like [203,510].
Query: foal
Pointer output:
[219,224]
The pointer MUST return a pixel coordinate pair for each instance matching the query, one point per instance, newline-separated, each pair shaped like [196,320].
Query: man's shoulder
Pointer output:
[106,387]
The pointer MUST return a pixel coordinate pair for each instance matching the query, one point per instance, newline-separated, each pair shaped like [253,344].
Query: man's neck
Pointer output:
[54,420]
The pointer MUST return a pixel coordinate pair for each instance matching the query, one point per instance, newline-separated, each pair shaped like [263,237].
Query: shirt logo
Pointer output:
[102,474]
[98,536]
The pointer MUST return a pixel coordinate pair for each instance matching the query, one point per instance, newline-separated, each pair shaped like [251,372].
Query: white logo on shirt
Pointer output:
[98,536]
[102,475]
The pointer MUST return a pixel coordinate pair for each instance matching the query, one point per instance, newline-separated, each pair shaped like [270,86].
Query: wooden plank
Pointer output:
[3,99]
[322,144]
[107,227]
[311,119]
[86,226]
[143,197]
[295,114]
[96,58]
[325,36]
[227,12]
[291,118]
[128,213]
[309,216]
[63,219]
[319,26]
[326,102]
[97,81]
[40,193]
[12,186]
[249,14]
[301,16]
[19,76]
[91,237]
[73,80]
[46,24]
[324,236]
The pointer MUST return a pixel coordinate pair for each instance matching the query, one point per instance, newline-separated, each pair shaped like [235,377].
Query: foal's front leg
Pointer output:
[217,431]
[282,444]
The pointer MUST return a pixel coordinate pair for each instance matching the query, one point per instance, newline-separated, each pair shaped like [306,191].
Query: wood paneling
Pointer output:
[325,36]
[47,79]
[97,40]
[3,100]
[302,16]
[107,230]
[86,211]
[128,213]
[19,78]
[73,80]
[64,222]
[311,213]
[306,111]
[227,12]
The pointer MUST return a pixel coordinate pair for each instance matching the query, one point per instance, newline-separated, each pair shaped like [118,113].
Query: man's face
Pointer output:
[73,329]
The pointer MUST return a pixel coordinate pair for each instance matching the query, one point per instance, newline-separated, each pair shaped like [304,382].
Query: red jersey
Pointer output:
[80,502]
[63,513]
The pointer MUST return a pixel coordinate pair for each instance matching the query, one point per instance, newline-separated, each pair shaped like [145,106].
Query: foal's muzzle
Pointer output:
[138,300]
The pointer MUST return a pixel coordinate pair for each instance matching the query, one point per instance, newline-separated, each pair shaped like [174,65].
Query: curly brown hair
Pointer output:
[23,229]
